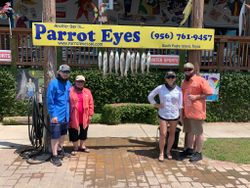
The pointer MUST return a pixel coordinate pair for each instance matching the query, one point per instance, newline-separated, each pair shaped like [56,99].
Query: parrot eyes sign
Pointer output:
[59,34]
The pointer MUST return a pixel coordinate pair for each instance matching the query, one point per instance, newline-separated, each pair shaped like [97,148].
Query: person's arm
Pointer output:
[50,103]
[181,106]
[197,97]
[180,99]
[152,95]
[91,105]
[206,90]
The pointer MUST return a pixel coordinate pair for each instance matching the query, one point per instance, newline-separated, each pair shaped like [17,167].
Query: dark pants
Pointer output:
[75,136]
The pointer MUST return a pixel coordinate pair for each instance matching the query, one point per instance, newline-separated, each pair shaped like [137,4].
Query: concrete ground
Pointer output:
[121,156]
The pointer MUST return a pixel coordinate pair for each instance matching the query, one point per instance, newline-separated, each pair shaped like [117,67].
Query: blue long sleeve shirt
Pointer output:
[58,100]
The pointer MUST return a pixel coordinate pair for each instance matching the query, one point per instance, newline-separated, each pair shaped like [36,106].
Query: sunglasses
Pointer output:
[170,77]
[188,70]
[65,72]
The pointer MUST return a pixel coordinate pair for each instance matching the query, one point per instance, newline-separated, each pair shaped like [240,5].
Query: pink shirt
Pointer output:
[87,108]
[80,107]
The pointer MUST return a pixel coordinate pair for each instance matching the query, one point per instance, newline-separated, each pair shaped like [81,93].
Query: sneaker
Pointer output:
[187,153]
[196,157]
[55,160]
[61,154]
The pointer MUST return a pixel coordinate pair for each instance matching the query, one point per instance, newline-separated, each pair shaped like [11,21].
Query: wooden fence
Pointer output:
[230,53]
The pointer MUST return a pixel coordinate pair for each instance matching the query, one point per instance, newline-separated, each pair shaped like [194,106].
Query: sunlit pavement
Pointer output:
[126,161]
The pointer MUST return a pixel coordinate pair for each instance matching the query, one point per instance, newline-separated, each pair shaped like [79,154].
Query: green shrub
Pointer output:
[96,118]
[8,92]
[111,115]
[233,104]
[234,99]
[129,113]
[9,105]
[20,108]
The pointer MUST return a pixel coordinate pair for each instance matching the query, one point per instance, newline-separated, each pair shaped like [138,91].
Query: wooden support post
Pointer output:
[49,15]
[14,52]
[220,55]
[247,19]
[197,22]
[59,58]
[182,55]
[247,33]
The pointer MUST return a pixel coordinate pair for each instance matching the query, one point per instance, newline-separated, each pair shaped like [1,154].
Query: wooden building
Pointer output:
[231,52]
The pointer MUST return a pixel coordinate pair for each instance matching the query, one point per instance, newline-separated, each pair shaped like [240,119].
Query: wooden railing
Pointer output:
[230,53]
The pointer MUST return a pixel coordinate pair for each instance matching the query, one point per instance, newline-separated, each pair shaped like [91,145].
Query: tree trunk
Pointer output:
[197,22]
[49,15]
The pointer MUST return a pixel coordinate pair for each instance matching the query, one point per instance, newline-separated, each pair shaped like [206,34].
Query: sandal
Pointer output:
[86,150]
[169,156]
[74,152]
[161,158]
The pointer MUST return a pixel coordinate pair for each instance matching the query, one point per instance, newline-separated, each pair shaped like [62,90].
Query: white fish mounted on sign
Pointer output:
[100,60]
[117,62]
[148,60]
[132,63]
[128,58]
[122,62]
[111,61]
[137,61]
[105,63]
[241,18]
[143,62]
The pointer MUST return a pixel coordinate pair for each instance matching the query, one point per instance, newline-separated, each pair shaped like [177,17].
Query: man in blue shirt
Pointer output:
[58,109]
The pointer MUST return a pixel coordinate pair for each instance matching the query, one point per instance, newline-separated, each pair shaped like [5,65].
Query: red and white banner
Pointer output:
[165,60]
[5,56]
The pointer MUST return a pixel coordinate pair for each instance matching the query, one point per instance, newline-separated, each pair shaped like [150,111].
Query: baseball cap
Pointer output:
[170,73]
[189,65]
[80,78]
[64,68]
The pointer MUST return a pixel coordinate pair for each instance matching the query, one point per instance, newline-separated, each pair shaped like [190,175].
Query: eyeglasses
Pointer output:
[79,81]
[188,70]
[170,77]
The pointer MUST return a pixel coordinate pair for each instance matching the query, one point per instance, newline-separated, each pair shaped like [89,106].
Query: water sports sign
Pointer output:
[5,55]
[87,35]
[165,60]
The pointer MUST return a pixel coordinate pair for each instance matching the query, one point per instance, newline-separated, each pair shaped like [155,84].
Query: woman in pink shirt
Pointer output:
[81,112]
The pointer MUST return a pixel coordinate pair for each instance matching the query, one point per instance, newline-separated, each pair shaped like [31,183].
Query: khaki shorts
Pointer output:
[193,126]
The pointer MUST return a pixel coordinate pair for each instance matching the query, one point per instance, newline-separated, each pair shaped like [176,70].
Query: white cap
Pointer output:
[189,65]
[80,78]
